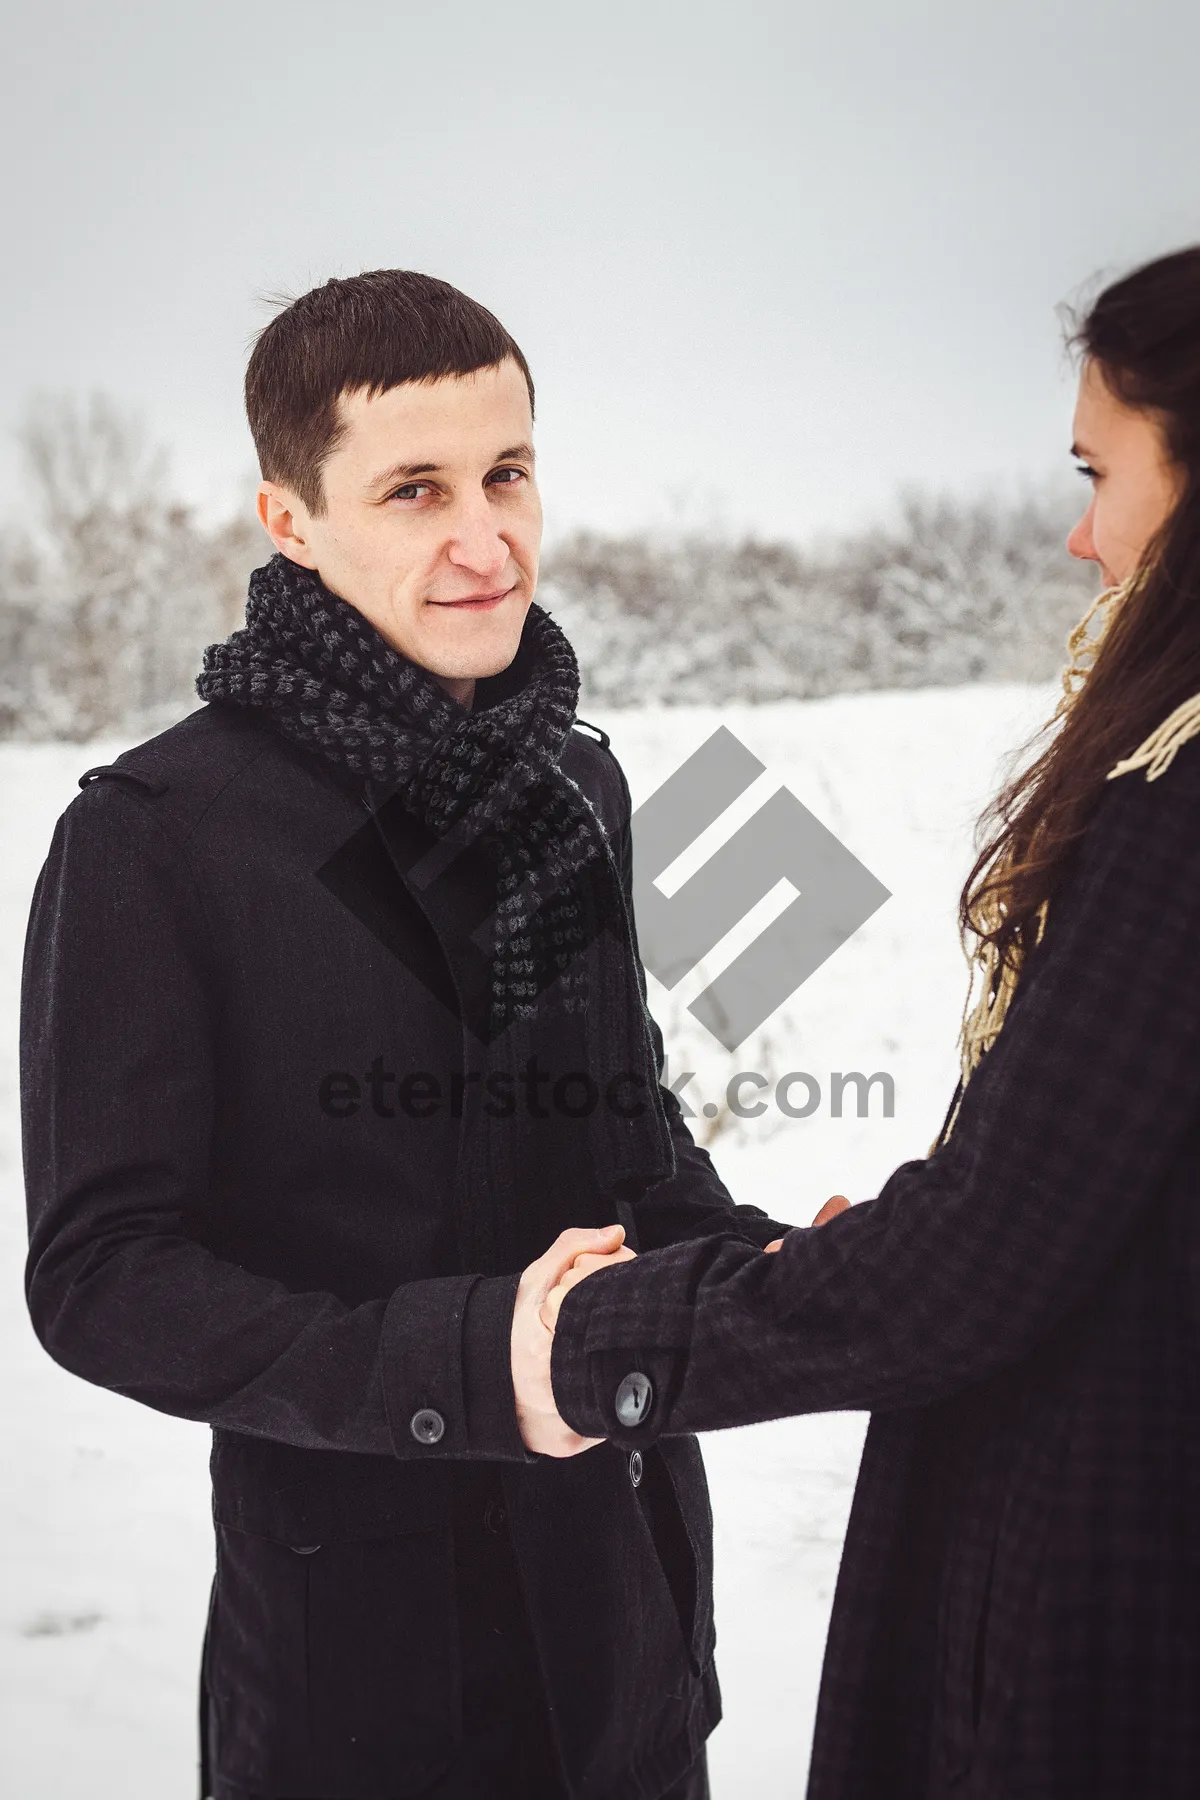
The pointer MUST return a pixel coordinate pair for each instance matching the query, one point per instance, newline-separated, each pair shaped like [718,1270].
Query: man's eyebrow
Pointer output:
[400,473]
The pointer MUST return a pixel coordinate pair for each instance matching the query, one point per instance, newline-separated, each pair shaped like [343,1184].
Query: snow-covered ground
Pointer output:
[105,1540]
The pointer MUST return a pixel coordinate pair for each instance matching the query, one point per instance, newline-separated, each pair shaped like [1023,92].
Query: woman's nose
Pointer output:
[1081,542]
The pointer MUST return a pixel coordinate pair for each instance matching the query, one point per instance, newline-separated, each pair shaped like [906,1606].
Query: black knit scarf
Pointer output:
[486,777]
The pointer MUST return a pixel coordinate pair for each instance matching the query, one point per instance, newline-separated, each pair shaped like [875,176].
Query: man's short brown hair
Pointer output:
[373,331]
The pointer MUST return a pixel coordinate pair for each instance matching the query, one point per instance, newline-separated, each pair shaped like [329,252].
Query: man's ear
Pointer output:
[285,520]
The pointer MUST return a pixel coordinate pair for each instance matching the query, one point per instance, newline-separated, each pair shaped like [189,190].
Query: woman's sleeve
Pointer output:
[119,1038]
[967,1259]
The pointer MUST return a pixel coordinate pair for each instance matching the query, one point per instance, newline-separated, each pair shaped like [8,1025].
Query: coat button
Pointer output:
[428,1426]
[494,1516]
[635,1468]
[634,1397]
[305,1549]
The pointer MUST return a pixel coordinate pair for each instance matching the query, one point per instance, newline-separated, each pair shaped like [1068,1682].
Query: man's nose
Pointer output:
[475,541]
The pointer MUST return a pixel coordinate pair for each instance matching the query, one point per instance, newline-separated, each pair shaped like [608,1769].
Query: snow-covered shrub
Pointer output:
[957,592]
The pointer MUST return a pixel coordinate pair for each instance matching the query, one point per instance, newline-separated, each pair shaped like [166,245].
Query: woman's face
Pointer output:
[1135,482]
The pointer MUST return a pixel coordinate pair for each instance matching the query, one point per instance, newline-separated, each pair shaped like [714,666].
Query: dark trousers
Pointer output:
[693,1786]
[508,1751]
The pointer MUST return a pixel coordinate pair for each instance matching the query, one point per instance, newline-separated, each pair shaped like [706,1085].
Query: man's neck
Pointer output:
[460,689]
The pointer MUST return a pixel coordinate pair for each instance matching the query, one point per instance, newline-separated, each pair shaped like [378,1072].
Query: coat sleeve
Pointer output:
[694,1202]
[119,1043]
[967,1259]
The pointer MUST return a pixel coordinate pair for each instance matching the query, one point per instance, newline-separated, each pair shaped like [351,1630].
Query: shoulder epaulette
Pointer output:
[149,782]
[586,725]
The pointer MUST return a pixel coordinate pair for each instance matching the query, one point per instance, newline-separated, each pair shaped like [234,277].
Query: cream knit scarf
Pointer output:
[982,1020]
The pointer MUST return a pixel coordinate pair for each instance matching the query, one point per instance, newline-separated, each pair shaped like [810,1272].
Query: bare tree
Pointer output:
[109,596]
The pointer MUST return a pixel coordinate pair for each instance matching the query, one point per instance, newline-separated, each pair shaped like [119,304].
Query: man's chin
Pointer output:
[471,646]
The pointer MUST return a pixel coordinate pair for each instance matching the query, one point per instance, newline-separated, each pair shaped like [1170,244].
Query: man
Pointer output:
[332,1020]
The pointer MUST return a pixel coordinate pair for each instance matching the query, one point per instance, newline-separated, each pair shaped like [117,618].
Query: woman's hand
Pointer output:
[837,1203]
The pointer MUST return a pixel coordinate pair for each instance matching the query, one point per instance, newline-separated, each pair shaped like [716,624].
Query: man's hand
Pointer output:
[837,1203]
[584,1265]
[542,1430]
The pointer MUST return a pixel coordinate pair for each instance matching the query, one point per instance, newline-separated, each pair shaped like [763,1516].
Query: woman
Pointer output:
[1018,1609]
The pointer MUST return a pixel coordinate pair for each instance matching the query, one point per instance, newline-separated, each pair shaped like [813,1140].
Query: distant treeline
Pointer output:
[956,592]
[110,589]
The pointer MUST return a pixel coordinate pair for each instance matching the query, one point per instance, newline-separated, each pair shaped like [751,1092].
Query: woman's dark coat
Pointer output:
[240,1213]
[1018,1611]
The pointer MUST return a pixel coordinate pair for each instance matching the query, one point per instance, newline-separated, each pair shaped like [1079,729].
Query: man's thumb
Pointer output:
[585,1240]
[606,1238]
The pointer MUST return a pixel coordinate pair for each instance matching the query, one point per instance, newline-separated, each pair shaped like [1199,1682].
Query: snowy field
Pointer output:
[104,1522]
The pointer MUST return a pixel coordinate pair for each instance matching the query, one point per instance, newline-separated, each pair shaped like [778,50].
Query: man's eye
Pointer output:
[506,477]
[410,490]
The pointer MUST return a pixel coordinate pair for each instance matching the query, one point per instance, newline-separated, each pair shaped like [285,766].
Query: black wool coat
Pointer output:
[245,1094]
[1017,1615]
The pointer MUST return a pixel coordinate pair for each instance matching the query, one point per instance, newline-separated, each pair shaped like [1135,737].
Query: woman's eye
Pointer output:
[1086,470]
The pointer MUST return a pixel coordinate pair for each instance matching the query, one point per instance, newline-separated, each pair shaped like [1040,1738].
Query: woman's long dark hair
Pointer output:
[1143,337]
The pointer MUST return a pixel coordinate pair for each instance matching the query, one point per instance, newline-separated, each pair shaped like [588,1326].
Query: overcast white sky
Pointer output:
[769,262]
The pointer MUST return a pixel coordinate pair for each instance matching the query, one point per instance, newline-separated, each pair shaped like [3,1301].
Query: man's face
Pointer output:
[432,521]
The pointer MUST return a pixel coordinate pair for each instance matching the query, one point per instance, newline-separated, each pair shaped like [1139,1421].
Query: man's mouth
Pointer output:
[476,602]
